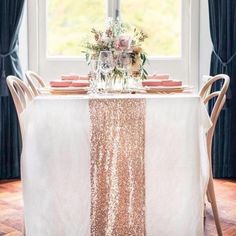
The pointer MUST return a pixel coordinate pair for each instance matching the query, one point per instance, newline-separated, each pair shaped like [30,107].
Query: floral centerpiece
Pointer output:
[118,37]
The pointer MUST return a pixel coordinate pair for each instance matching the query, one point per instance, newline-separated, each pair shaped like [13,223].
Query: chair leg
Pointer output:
[23,228]
[204,216]
[212,200]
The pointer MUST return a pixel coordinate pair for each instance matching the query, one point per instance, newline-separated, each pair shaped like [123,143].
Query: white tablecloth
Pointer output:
[56,165]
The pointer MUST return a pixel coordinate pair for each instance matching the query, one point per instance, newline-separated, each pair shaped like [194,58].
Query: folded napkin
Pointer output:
[83,77]
[74,77]
[80,83]
[167,83]
[152,82]
[172,83]
[159,76]
[60,83]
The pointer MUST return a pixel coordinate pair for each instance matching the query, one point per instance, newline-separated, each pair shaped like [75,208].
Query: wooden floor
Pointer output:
[11,208]
[226,200]
[11,213]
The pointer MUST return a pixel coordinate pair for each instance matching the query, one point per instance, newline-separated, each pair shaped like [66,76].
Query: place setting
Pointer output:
[116,63]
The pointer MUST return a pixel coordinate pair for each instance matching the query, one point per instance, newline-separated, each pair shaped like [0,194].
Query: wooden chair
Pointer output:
[22,96]
[220,97]
[35,82]
[205,79]
[20,92]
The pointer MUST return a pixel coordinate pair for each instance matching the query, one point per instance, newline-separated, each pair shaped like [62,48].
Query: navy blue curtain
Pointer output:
[10,143]
[222,15]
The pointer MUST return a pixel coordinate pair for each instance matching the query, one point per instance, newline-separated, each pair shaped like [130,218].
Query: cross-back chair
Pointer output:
[35,82]
[220,98]
[22,96]
[20,92]
[207,90]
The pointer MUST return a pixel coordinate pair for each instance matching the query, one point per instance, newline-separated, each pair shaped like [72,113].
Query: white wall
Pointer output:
[23,41]
[205,46]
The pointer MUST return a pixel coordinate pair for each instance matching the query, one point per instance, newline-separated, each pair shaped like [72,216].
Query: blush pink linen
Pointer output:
[80,83]
[60,83]
[172,83]
[159,76]
[152,82]
[83,77]
[69,77]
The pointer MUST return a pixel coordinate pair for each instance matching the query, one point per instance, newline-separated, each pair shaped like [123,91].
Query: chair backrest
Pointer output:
[220,98]
[205,79]
[20,92]
[35,82]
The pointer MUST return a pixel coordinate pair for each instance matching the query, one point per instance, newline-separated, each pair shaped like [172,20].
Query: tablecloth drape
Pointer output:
[56,165]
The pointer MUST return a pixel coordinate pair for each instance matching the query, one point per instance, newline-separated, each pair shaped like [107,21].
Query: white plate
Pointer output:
[168,87]
[64,90]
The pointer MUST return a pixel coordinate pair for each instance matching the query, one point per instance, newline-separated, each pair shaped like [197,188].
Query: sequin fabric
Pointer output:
[117,167]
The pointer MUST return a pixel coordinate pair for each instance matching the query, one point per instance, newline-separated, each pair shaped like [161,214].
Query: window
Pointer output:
[58,30]
[69,21]
[160,19]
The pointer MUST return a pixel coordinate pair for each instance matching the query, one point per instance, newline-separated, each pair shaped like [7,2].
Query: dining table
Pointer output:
[115,165]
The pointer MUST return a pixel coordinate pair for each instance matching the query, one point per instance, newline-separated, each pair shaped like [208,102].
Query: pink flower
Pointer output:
[123,43]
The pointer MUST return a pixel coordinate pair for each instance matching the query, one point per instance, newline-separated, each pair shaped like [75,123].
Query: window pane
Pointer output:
[69,22]
[160,19]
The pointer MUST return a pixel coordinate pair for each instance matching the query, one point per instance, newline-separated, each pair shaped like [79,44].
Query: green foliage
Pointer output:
[69,22]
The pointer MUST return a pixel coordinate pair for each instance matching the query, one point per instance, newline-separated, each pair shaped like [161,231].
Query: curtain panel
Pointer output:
[10,143]
[222,16]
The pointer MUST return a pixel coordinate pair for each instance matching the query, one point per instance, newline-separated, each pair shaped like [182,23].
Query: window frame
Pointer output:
[185,67]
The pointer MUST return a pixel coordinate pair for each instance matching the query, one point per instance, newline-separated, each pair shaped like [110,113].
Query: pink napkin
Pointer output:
[83,77]
[69,77]
[80,83]
[159,76]
[152,82]
[74,77]
[172,83]
[60,83]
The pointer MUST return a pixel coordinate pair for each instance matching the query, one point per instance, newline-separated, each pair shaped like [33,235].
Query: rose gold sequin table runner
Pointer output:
[117,167]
